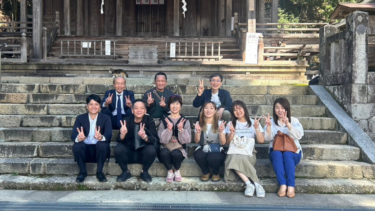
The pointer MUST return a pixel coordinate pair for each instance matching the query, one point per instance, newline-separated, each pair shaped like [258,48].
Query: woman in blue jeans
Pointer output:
[284,162]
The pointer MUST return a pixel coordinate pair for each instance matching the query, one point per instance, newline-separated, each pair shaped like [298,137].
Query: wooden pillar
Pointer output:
[176,18]
[86,15]
[228,18]
[23,48]
[67,16]
[79,17]
[119,6]
[262,11]
[23,18]
[275,11]
[251,16]
[221,20]
[37,28]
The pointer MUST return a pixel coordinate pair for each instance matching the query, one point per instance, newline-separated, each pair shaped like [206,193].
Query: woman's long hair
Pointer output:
[241,104]
[285,104]
[202,119]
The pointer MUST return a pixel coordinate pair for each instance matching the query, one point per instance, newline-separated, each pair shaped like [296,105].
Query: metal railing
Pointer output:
[88,48]
[194,50]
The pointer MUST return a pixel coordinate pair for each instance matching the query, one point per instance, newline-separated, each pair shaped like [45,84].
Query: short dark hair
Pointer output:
[216,75]
[160,73]
[94,97]
[285,104]
[138,100]
[243,106]
[173,99]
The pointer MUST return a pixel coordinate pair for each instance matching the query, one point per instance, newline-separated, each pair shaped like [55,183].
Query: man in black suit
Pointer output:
[117,103]
[92,133]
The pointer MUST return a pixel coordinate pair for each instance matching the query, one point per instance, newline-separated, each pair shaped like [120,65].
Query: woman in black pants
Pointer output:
[209,133]
[174,128]
[136,141]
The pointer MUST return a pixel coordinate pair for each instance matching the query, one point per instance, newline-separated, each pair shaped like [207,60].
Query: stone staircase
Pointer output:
[37,115]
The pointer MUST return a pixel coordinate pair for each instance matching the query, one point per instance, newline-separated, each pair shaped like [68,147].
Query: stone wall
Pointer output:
[344,69]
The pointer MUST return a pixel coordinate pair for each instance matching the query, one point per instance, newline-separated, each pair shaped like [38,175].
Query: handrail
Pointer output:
[80,51]
[187,51]
[17,49]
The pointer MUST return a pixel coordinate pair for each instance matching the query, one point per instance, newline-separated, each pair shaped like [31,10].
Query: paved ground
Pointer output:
[191,198]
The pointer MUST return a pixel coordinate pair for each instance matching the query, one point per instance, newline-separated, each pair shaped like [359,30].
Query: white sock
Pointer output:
[248,183]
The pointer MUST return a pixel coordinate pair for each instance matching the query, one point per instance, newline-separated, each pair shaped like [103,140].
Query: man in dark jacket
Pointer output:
[220,97]
[117,102]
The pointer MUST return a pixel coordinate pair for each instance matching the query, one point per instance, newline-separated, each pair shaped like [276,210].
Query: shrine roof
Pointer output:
[343,10]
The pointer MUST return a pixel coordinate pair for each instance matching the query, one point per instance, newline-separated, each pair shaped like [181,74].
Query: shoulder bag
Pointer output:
[284,143]
[241,146]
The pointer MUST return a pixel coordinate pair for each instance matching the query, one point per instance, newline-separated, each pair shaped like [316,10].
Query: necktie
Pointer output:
[119,114]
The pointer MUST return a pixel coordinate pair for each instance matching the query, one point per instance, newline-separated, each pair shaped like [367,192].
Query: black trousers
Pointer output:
[206,160]
[91,153]
[168,158]
[113,118]
[126,155]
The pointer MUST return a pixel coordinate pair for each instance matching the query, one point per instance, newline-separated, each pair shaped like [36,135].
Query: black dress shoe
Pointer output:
[145,176]
[124,176]
[101,177]
[81,177]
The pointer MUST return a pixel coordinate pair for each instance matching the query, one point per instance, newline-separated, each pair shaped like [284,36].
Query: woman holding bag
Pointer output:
[209,133]
[284,162]
[241,158]
[174,133]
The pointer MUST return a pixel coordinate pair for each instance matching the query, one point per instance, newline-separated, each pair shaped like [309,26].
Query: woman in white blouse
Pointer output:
[284,162]
[242,162]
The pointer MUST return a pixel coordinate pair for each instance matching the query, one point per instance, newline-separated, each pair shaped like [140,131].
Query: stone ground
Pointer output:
[157,198]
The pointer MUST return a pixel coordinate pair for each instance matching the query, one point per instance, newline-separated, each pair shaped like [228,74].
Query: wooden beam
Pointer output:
[228,18]
[262,11]
[23,18]
[221,15]
[79,25]
[67,16]
[251,16]
[37,28]
[119,6]
[86,15]
[275,11]
[176,18]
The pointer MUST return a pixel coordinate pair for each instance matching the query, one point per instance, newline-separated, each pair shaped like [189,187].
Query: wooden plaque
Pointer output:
[143,55]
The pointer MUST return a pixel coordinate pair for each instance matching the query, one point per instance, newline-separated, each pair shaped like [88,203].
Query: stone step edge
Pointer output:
[326,186]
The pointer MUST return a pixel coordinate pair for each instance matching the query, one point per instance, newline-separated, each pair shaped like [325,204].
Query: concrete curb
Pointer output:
[356,135]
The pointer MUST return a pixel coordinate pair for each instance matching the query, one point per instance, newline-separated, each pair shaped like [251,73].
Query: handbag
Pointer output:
[173,144]
[212,147]
[284,143]
[241,146]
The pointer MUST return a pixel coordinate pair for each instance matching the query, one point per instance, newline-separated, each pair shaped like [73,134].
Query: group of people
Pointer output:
[154,127]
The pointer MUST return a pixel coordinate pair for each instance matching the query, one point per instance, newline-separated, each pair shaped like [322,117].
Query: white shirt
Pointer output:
[242,129]
[216,99]
[114,112]
[90,138]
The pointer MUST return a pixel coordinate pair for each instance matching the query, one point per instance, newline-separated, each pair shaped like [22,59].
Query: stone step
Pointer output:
[186,110]
[67,183]
[57,134]
[8,121]
[305,169]
[23,98]
[141,89]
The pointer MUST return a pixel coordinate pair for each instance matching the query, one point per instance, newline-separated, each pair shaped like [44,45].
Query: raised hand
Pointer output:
[162,102]
[81,136]
[150,100]
[123,129]
[268,120]
[231,128]
[108,100]
[169,124]
[256,122]
[98,136]
[142,132]
[128,101]
[180,125]
[198,128]
[285,118]
[222,126]
[200,87]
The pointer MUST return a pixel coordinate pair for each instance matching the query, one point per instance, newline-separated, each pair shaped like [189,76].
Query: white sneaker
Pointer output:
[260,190]
[177,176]
[249,191]
[170,177]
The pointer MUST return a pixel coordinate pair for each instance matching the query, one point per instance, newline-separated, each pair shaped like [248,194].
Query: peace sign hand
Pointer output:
[201,87]
[285,118]
[169,124]
[108,100]
[128,101]
[162,102]
[222,126]
[98,136]
[231,128]
[198,128]
[81,136]
[150,100]
[123,129]
[268,120]
[180,125]
[256,122]
[142,132]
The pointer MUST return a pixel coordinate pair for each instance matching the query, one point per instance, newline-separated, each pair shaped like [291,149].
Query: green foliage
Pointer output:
[10,9]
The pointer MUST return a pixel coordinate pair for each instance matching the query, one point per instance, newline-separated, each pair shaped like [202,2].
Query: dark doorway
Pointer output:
[150,20]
